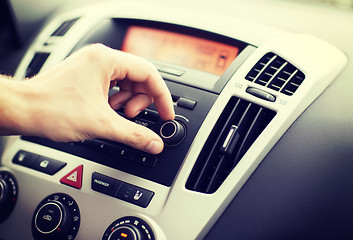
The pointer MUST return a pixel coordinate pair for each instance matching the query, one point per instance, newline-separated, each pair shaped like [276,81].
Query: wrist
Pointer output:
[13,106]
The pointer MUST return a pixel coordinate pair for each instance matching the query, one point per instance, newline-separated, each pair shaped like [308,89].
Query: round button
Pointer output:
[49,217]
[172,132]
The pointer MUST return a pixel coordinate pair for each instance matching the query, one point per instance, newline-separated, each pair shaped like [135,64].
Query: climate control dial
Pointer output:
[57,217]
[8,194]
[128,228]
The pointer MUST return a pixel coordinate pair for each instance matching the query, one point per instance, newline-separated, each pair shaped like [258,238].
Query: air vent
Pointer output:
[36,64]
[239,125]
[64,27]
[276,73]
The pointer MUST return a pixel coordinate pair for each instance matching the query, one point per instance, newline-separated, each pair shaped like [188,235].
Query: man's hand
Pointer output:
[70,101]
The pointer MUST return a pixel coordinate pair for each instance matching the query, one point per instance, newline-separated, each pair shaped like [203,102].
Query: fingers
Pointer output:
[136,104]
[119,99]
[134,135]
[146,78]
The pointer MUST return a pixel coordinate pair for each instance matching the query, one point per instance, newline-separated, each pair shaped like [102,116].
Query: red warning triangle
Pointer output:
[73,178]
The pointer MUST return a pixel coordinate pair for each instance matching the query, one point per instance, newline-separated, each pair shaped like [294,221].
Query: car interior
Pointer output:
[261,146]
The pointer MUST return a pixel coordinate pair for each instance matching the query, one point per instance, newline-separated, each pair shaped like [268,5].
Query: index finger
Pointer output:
[144,73]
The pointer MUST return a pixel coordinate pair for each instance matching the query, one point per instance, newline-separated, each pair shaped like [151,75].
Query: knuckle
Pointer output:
[94,51]
[135,139]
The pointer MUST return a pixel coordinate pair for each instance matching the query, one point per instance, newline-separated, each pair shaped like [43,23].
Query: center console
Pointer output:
[236,88]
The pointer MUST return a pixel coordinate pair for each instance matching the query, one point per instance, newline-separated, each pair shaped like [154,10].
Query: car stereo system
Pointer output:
[191,104]
[234,97]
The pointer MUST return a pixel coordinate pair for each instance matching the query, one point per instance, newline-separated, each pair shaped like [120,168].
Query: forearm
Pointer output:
[12,106]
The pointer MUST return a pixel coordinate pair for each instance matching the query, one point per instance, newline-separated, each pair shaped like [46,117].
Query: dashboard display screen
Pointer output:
[193,52]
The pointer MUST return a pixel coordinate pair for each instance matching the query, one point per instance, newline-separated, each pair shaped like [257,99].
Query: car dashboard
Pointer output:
[246,156]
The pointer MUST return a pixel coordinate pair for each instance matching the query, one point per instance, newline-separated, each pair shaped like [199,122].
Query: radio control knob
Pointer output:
[172,132]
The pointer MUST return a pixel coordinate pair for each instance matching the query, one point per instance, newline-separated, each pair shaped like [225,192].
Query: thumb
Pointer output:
[134,135]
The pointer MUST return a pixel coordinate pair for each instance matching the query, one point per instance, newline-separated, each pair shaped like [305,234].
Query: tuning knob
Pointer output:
[172,132]
[8,194]
[57,218]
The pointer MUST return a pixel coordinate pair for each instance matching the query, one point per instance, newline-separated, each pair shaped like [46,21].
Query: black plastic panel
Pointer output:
[169,161]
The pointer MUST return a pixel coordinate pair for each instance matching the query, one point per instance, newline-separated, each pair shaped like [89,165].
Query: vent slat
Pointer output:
[215,162]
[208,158]
[276,73]
[250,136]
[217,175]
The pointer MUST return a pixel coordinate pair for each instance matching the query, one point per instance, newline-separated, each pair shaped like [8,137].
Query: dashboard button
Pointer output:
[186,103]
[48,165]
[105,184]
[25,158]
[149,115]
[123,152]
[73,178]
[145,159]
[135,195]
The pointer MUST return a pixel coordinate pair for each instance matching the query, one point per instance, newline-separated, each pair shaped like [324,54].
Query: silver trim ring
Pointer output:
[175,129]
[61,217]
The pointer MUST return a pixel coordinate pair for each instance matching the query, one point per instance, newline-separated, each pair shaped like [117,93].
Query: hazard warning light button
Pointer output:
[73,178]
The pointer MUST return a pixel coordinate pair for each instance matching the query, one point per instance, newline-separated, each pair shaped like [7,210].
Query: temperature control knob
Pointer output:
[8,194]
[128,228]
[57,217]
[172,132]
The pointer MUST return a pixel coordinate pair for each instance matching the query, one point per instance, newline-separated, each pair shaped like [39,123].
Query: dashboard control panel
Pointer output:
[177,135]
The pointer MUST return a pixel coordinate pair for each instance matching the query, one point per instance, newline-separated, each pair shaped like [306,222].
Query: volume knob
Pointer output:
[172,132]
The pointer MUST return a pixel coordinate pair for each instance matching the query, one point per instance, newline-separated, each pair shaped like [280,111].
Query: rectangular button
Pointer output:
[135,195]
[105,184]
[145,159]
[25,158]
[122,152]
[89,143]
[169,70]
[148,115]
[186,103]
[48,165]
[103,146]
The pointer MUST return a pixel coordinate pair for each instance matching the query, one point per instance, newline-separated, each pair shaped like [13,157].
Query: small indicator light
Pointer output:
[124,235]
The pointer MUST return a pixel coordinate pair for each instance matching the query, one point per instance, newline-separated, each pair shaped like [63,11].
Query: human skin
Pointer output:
[70,102]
